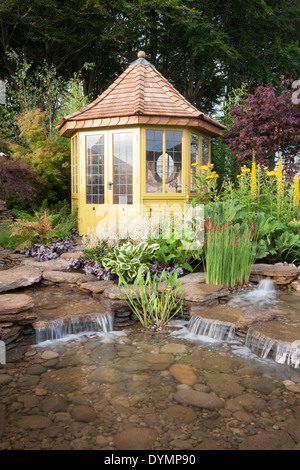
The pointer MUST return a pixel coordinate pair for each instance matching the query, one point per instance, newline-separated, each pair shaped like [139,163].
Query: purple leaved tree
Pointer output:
[267,121]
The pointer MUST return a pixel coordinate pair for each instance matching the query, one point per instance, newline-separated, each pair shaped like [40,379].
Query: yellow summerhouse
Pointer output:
[133,149]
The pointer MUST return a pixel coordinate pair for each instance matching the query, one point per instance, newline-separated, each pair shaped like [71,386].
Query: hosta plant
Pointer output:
[128,261]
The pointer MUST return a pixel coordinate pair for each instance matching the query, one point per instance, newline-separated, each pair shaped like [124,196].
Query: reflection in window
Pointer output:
[154,169]
[122,168]
[205,151]
[194,161]
[95,169]
[173,181]
[74,159]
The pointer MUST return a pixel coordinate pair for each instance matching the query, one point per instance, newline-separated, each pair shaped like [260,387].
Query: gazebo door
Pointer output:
[111,179]
[122,178]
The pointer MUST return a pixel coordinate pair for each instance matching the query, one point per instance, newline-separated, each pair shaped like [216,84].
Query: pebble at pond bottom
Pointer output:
[146,390]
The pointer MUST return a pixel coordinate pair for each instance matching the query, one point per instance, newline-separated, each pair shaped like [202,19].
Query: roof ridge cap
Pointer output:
[140,89]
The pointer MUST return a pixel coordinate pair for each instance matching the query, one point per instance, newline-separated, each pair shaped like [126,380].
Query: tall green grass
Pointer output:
[229,254]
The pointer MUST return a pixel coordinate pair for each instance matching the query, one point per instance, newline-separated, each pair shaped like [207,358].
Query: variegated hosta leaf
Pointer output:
[124,266]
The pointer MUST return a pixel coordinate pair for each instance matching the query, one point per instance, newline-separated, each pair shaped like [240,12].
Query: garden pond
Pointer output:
[121,386]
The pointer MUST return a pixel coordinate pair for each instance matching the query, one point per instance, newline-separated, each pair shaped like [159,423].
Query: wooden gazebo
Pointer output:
[133,148]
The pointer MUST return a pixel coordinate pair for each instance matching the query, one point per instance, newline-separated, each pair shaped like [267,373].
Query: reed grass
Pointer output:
[229,254]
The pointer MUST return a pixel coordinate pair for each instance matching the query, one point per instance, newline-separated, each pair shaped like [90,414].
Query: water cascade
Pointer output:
[259,344]
[213,328]
[264,295]
[61,328]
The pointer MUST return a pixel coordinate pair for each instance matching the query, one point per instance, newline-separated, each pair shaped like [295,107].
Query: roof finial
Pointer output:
[141,55]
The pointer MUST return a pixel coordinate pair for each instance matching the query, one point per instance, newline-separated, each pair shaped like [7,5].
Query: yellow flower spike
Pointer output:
[253,178]
[279,179]
[296,191]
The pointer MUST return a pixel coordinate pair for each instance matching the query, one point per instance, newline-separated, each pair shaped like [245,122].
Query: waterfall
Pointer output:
[61,328]
[259,344]
[213,328]
[288,353]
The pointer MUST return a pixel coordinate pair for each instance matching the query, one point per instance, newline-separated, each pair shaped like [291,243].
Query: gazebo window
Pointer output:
[205,151]
[74,160]
[95,169]
[122,168]
[163,161]
[195,159]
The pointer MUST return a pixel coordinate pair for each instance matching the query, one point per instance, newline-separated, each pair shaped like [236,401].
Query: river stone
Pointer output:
[29,400]
[54,403]
[49,355]
[28,381]
[250,401]
[83,413]
[279,440]
[21,276]
[135,439]
[180,414]
[5,379]
[224,385]
[32,422]
[62,380]
[184,374]
[106,375]
[14,303]
[278,273]
[174,348]
[198,399]
[36,369]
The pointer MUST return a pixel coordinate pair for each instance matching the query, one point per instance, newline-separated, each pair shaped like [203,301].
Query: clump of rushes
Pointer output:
[229,254]
[154,302]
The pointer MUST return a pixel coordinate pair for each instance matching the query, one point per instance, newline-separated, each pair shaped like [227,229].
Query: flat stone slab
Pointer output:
[96,287]
[192,277]
[51,265]
[65,277]
[14,303]
[278,273]
[21,276]
[198,292]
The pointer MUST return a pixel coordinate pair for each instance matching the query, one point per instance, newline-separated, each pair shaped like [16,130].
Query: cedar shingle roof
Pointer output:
[140,95]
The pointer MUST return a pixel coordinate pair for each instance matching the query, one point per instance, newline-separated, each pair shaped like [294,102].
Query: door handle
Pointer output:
[110,185]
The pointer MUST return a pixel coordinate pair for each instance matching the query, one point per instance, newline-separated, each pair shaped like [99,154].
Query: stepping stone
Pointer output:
[21,276]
